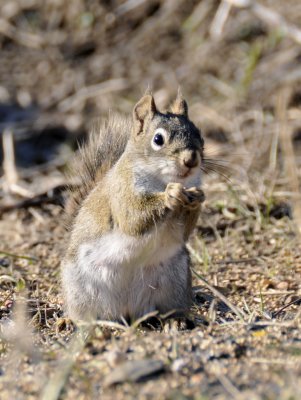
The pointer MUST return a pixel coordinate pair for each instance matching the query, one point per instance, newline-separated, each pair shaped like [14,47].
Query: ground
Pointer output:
[243,91]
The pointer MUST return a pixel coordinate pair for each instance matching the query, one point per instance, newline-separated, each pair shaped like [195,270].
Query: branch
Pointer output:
[265,14]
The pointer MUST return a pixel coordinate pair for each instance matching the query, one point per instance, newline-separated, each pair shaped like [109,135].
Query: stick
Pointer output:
[239,312]
[111,85]
[270,17]
[287,305]
[22,37]
[289,158]
[9,165]
[220,19]
[58,380]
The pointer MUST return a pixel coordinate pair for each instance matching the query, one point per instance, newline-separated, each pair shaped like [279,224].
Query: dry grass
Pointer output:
[241,75]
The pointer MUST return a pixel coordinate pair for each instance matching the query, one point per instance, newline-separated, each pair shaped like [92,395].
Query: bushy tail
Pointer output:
[103,149]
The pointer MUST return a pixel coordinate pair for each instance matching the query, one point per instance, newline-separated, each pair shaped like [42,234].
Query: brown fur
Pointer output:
[132,215]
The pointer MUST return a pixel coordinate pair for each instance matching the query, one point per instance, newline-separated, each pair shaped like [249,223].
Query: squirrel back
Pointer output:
[104,147]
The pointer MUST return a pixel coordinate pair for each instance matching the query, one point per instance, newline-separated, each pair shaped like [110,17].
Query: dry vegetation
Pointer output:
[62,64]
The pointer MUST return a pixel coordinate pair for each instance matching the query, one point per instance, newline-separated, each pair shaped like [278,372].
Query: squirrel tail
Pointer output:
[105,145]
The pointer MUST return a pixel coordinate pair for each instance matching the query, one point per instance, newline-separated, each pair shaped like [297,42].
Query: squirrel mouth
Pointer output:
[185,174]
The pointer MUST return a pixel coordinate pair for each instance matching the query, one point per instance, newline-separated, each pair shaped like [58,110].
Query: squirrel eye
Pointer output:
[158,139]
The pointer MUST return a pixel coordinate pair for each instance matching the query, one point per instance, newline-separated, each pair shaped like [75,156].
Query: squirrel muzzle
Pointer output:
[190,158]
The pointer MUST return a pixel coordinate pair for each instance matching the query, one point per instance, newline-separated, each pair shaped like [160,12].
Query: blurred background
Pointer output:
[64,64]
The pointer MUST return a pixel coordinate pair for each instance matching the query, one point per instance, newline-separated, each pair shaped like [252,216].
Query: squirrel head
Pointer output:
[168,145]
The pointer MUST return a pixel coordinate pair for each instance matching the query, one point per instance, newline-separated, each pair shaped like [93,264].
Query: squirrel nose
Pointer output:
[190,159]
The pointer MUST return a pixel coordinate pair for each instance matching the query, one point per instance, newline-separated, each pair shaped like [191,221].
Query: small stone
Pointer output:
[196,379]
[4,262]
[10,9]
[8,304]
[115,357]
[24,98]
[282,285]
[268,284]
[178,364]
[4,95]
[133,371]
[291,298]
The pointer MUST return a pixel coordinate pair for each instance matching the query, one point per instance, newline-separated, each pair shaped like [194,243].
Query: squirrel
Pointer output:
[137,204]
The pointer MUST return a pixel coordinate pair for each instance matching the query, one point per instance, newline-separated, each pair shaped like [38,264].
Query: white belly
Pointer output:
[124,275]
[117,250]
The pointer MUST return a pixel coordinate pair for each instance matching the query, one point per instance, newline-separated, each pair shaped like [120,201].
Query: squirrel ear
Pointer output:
[144,109]
[180,106]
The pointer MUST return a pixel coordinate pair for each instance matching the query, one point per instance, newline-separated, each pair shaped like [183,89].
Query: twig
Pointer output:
[21,191]
[239,312]
[21,37]
[235,261]
[275,293]
[287,194]
[220,19]
[128,6]
[270,17]
[5,299]
[111,85]
[262,324]
[287,305]
[138,321]
[277,362]
[289,158]
[9,164]
[198,15]
[107,324]
[36,200]
[5,253]
[229,387]
[57,382]
[221,262]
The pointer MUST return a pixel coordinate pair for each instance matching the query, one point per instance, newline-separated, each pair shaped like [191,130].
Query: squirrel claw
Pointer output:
[177,196]
[196,196]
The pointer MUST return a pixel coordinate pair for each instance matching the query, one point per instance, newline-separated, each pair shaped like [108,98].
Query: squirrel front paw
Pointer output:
[175,196]
[196,196]
[179,197]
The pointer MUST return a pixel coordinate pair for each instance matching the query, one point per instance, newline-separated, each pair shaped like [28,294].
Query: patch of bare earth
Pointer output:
[255,264]
[244,91]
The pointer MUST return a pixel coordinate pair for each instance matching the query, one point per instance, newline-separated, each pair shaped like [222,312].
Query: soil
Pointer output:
[65,65]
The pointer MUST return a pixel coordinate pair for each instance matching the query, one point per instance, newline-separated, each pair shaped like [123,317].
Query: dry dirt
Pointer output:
[65,63]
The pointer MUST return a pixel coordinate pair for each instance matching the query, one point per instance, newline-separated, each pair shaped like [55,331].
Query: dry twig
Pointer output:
[239,312]
[111,85]
[220,19]
[289,155]
[24,38]
[265,14]
[57,382]
[9,164]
